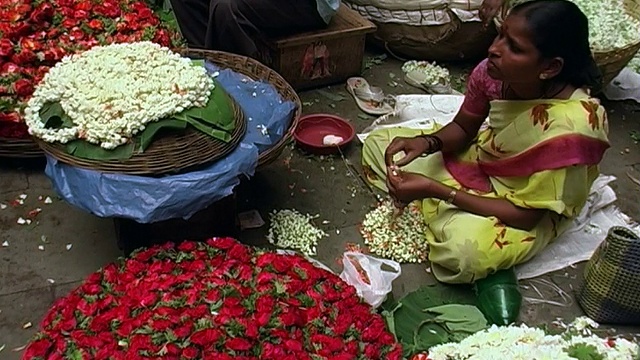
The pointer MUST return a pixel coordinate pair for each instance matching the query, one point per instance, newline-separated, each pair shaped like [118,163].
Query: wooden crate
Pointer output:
[218,220]
[321,57]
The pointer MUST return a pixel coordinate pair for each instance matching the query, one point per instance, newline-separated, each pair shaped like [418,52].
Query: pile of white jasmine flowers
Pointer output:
[401,239]
[522,342]
[610,27]
[111,92]
[431,73]
[290,229]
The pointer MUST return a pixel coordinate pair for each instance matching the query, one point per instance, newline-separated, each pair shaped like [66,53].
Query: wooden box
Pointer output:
[218,220]
[322,57]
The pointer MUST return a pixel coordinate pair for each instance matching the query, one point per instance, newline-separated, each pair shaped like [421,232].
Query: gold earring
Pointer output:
[543,76]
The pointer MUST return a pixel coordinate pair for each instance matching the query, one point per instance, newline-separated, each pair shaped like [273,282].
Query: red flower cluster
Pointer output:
[35,34]
[216,300]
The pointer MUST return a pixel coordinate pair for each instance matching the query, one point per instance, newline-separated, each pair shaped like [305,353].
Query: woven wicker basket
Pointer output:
[610,62]
[19,148]
[613,61]
[610,289]
[256,71]
[170,153]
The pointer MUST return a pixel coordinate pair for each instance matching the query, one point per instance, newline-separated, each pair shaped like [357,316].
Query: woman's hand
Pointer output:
[412,148]
[489,9]
[404,187]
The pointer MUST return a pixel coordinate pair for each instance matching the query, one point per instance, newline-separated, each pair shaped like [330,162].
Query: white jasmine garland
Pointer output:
[111,92]
[402,239]
[291,230]
[523,342]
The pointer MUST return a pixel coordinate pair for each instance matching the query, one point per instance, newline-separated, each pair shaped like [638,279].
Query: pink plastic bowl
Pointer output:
[312,129]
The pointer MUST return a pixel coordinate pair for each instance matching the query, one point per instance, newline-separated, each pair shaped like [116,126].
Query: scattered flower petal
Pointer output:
[27,325]
[48,200]
[21,221]
[51,281]
[69,246]
[41,247]
[5,244]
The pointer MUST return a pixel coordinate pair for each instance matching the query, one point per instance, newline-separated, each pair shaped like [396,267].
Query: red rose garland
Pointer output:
[35,34]
[216,300]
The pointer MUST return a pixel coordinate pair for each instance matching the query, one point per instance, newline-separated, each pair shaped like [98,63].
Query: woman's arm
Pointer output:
[507,212]
[405,187]
[458,134]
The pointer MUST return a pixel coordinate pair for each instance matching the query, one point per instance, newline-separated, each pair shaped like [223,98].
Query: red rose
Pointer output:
[6,47]
[372,351]
[205,337]
[95,24]
[24,57]
[238,344]
[222,243]
[76,34]
[81,14]
[38,348]
[42,13]
[69,23]
[162,37]
[293,345]
[270,351]
[83,5]
[144,13]
[30,44]
[110,9]
[375,329]
[183,331]
[187,246]
[190,353]
[262,319]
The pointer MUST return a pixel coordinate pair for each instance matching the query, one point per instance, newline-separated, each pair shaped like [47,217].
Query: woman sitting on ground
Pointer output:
[235,25]
[494,197]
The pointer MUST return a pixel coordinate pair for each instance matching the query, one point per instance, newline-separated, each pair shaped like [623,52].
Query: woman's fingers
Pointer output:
[396,146]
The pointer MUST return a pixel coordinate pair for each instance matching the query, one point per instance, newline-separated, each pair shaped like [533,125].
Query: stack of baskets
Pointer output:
[441,30]
[180,152]
[19,148]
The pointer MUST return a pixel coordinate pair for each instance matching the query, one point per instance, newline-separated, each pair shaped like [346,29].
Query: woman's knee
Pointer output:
[460,262]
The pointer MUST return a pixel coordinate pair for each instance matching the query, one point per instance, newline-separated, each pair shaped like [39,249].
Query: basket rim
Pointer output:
[248,66]
[57,151]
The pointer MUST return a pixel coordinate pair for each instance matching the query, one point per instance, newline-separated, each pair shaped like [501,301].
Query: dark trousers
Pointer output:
[234,25]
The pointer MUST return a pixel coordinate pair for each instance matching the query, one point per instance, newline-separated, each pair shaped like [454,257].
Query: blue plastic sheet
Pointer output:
[147,199]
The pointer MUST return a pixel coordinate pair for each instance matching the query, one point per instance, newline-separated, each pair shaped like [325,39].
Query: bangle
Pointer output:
[452,196]
[434,142]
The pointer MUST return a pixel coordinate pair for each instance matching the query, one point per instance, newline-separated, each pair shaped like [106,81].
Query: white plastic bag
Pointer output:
[365,273]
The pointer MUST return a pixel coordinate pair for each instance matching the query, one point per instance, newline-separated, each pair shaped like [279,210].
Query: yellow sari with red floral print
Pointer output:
[541,154]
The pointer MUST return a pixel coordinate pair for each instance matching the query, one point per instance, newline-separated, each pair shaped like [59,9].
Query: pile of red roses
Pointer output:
[35,34]
[215,300]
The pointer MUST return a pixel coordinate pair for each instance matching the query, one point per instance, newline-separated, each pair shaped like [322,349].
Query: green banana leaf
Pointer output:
[215,119]
[53,116]
[433,315]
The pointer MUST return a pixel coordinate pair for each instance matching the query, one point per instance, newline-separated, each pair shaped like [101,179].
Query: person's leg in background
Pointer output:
[193,17]
[234,25]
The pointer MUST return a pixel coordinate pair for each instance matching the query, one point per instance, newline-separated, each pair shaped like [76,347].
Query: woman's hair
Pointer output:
[560,29]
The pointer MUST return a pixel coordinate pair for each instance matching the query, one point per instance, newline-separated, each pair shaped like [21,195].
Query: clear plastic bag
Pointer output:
[366,274]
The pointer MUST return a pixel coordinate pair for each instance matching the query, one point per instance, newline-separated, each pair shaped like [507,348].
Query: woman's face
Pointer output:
[513,58]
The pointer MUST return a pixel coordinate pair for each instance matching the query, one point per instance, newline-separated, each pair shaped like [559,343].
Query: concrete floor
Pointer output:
[38,266]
